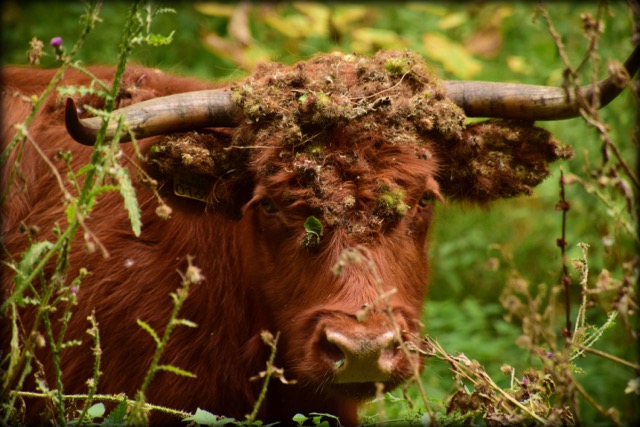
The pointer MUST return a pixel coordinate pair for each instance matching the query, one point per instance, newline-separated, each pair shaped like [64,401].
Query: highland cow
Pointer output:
[304,194]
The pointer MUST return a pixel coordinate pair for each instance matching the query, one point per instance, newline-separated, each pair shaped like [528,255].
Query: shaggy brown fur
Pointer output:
[364,145]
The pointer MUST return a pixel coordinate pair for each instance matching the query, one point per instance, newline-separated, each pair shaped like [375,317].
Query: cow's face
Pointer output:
[344,157]
[343,295]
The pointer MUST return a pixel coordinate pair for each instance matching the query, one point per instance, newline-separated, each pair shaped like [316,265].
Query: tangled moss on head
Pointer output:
[394,92]
[318,135]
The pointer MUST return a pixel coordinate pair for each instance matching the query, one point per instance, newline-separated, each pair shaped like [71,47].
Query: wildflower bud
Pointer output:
[56,42]
[35,51]
[506,369]
[40,340]
[193,274]
[163,211]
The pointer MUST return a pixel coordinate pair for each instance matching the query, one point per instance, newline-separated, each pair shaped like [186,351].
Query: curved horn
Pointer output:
[172,113]
[531,102]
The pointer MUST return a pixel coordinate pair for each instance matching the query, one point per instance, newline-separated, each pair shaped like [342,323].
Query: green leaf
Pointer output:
[185,322]
[96,411]
[159,40]
[177,371]
[26,265]
[314,226]
[205,418]
[299,418]
[149,329]
[117,416]
[71,212]
[129,195]
[314,230]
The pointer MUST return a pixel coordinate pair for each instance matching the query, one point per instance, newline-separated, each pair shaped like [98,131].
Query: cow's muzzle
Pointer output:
[369,351]
[362,358]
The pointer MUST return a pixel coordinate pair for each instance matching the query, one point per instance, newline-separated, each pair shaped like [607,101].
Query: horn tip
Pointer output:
[74,127]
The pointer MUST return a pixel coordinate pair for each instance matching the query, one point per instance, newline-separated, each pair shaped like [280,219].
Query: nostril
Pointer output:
[331,352]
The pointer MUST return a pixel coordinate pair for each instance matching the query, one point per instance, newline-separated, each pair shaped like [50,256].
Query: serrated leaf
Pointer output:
[95,411]
[176,370]
[162,10]
[29,259]
[149,329]
[129,195]
[117,416]
[202,417]
[159,40]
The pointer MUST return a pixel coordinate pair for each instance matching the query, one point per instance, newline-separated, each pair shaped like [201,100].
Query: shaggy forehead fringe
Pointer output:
[338,131]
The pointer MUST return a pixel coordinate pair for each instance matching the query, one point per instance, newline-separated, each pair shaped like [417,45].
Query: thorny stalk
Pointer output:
[460,364]
[609,413]
[589,111]
[91,18]
[97,353]
[190,277]
[564,207]
[357,255]
[117,398]
[634,366]
[22,357]
[272,342]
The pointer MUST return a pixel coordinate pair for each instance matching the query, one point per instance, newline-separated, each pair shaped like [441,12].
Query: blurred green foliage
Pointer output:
[473,249]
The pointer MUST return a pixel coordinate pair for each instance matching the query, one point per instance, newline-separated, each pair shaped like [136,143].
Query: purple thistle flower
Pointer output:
[549,354]
[525,380]
[56,42]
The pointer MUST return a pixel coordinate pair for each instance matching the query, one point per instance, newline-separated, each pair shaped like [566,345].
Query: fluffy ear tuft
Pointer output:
[498,159]
[195,165]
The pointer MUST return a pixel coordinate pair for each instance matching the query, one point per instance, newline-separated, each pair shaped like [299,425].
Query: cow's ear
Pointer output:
[197,166]
[497,159]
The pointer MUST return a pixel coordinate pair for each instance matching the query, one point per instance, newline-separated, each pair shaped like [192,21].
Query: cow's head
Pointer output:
[345,157]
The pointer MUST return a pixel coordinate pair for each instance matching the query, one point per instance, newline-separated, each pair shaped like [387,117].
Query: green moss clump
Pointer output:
[396,66]
[392,200]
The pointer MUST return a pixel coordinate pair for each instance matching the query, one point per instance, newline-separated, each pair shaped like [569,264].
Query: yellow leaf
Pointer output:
[518,64]
[431,9]
[296,26]
[346,16]
[290,26]
[372,39]
[453,57]
[215,9]
[453,20]
[315,11]
[317,18]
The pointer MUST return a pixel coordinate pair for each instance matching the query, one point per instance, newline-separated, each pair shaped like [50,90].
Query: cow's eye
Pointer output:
[426,199]
[268,206]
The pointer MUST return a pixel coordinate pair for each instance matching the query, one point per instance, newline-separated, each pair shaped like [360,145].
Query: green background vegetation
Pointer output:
[474,250]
